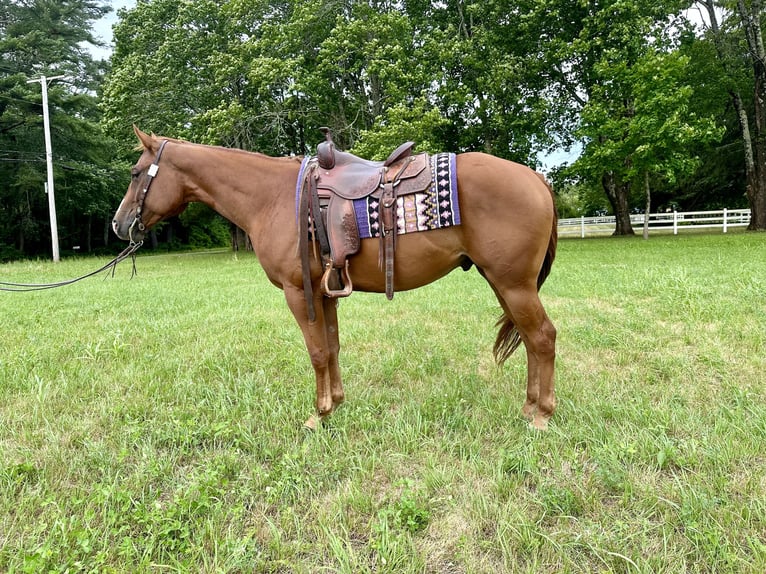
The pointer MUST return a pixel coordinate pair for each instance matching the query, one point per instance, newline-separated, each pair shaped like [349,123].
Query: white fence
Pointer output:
[674,221]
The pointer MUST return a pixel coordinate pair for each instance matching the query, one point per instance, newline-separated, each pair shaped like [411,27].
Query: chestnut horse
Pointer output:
[507,230]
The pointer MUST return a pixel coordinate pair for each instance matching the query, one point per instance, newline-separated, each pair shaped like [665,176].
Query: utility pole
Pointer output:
[49,160]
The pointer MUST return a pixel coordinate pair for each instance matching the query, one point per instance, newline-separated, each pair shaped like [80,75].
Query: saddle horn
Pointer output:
[326,150]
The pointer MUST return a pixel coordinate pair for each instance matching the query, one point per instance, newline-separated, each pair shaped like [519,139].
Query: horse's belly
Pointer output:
[420,259]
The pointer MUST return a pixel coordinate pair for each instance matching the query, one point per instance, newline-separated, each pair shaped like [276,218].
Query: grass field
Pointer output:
[154,424]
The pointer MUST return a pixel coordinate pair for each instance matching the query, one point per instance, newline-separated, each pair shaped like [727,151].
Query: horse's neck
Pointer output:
[235,183]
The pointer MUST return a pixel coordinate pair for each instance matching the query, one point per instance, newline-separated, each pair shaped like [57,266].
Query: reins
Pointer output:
[129,251]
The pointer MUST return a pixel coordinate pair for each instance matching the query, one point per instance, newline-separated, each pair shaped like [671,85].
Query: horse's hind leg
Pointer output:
[523,309]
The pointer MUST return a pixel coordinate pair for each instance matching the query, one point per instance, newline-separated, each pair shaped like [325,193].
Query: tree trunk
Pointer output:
[107,230]
[648,207]
[239,239]
[89,234]
[757,199]
[755,171]
[618,192]
[756,188]
[755,147]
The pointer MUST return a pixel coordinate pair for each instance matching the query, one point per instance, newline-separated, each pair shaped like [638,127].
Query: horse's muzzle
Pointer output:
[119,230]
[128,229]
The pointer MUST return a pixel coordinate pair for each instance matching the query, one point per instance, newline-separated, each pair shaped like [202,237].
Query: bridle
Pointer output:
[151,173]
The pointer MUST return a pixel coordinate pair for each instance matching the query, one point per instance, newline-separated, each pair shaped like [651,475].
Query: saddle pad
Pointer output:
[433,209]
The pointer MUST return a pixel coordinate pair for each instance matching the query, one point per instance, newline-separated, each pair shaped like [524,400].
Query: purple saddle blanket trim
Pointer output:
[435,208]
[299,185]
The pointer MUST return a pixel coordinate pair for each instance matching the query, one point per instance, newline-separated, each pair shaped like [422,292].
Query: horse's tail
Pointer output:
[508,338]
[550,255]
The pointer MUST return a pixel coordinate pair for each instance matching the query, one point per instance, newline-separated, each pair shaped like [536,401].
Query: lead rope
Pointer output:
[129,251]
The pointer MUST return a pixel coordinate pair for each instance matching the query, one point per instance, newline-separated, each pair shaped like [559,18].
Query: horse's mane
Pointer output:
[290,158]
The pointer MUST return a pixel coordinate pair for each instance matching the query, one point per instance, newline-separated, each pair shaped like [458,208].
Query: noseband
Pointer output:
[150,175]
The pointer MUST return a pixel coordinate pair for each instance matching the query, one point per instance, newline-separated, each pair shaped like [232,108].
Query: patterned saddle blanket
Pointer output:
[435,207]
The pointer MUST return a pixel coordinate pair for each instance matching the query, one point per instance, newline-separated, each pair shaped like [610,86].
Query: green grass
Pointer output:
[154,424]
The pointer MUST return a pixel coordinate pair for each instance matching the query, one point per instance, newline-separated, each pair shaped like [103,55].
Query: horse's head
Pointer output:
[155,192]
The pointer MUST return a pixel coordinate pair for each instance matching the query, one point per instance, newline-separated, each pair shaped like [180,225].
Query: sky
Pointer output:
[102,29]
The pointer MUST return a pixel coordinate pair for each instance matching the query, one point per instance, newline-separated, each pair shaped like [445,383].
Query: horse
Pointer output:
[507,231]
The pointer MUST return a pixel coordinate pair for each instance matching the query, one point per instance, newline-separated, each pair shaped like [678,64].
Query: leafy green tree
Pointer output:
[419,122]
[343,65]
[718,180]
[482,76]
[272,73]
[163,70]
[740,48]
[585,52]
[47,37]
[652,133]
[510,77]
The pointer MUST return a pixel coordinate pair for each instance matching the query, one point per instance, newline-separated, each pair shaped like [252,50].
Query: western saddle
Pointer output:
[334,180]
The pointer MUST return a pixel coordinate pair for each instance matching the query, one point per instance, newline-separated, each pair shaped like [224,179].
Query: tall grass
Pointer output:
[154,424]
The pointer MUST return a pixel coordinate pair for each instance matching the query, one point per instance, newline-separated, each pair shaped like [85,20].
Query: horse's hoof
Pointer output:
[539,422]
[312,422]
[528,411]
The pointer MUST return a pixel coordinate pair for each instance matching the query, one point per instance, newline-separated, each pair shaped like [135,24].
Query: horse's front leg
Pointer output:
[321,349]
[330,307]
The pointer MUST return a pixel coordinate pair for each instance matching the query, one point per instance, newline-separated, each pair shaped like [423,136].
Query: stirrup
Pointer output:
[345,278]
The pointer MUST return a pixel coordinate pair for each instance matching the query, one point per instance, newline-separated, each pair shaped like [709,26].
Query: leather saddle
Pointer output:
[352,177]
[334,180]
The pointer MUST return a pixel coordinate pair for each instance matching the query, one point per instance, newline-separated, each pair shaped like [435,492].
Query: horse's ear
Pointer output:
[145,139]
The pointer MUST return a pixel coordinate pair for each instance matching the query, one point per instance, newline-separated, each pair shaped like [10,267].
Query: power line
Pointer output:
[19,100]
[22,160]
[18,151]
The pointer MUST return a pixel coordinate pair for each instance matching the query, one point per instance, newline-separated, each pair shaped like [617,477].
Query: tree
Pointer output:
[46,37]
[164,67]
[269,74]
[482,76]
[745,19]
[509,77]
[655,133]
[419,122]
[585,52]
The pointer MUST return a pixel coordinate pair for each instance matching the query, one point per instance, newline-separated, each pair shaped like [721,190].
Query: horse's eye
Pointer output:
[134,173]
